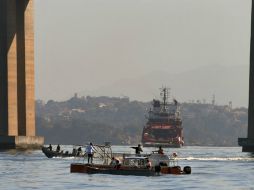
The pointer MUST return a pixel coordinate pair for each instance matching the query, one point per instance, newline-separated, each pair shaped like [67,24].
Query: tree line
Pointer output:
[120,121]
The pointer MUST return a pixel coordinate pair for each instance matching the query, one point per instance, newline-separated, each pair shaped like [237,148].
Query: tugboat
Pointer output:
[164,125]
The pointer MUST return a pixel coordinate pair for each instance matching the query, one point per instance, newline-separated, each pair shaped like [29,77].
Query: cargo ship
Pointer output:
[164,124]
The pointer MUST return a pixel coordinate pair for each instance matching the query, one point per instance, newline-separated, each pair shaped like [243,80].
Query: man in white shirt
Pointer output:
[90,150]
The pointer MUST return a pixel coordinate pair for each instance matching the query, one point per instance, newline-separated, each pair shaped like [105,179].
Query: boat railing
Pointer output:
[104,152]
[173,160]
[101,152]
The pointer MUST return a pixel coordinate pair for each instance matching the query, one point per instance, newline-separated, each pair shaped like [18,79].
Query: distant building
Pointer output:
[78,110]
[102,105]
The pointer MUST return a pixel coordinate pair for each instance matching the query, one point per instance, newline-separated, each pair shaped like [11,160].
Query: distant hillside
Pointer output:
[120,121]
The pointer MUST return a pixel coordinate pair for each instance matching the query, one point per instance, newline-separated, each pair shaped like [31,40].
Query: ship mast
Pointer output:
[164,94]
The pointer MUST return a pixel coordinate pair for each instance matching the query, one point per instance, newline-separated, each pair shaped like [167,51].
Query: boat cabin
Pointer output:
[134,161]
[163,160]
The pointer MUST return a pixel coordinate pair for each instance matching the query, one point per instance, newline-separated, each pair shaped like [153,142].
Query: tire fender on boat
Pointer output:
[187,169]
[157,169]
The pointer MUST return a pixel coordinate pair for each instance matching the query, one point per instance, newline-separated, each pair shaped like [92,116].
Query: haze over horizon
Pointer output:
[131,48]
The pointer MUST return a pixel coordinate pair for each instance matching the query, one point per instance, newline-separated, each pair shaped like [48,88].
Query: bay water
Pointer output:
[212,168]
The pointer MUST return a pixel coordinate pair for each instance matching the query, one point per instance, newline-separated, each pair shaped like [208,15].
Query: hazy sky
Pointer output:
[85,45]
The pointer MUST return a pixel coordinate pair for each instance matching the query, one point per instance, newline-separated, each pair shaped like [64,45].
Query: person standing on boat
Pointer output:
[138,149]
[160,151]
[90,151]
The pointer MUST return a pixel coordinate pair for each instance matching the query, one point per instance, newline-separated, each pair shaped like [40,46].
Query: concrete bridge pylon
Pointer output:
[248,143]
[17,103]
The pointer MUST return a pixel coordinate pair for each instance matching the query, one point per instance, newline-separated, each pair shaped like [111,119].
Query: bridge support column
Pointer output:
[17,106]
[248,143]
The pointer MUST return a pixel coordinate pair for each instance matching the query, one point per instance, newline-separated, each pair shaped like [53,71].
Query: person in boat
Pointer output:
[148,163]
[160,151]
[50,147]
[114,161]
[175,102]
[138,149]
[74,151]
[174,155]
[90,151]
[118,165]
[79,151]
[58,148]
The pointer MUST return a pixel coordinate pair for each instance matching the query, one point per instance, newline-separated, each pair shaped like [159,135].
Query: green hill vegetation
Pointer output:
[99,119]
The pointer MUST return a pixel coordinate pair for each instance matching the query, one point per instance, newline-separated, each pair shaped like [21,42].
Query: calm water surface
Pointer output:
[212,168]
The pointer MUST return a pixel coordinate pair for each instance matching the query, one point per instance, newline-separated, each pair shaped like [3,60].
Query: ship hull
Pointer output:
[162,135]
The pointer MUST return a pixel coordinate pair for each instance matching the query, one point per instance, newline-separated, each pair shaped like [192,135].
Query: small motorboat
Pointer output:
[101,151]
[135,165]
[53,153]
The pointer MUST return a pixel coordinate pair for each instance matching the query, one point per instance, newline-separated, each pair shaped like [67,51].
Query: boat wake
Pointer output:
[65,158]
[218,158]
